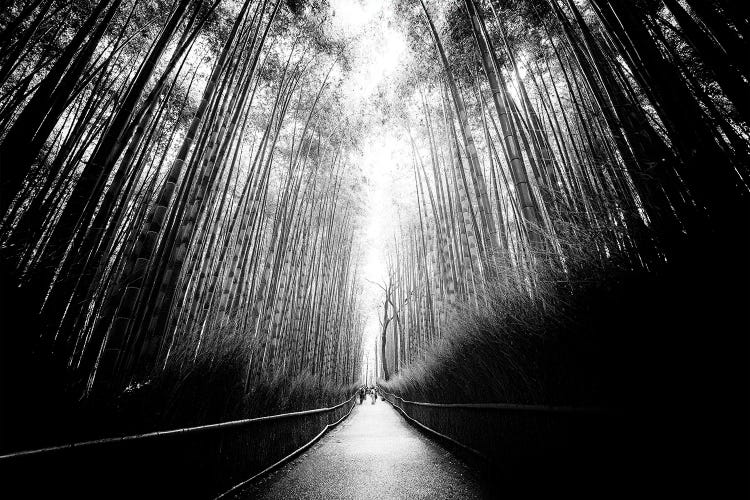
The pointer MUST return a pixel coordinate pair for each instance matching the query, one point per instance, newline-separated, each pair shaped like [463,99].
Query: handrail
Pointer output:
[504,406]
[430,429]
[288,457]
[172,432]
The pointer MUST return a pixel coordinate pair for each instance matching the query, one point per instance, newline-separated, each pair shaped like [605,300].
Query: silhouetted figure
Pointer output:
[361,395]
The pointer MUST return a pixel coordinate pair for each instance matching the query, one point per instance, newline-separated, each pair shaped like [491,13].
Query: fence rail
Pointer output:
[196,462]
[172,432]
[510,407]
[425,427]
[290,456]
[511,434]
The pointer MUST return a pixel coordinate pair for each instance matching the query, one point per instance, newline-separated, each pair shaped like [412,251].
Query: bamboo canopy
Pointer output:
[181,182]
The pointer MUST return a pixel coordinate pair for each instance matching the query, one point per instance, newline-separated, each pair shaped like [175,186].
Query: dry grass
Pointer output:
[521,346]
[206,391]
[555,344]
[664,349]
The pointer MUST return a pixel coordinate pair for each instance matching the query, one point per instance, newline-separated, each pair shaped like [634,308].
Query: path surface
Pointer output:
[374,453]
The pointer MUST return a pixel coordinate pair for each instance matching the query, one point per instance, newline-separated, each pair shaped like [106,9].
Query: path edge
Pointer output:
[287,458]
[482,466]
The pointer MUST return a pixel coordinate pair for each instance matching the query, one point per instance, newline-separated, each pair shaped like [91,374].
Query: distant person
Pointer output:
[373,395]
[361,395]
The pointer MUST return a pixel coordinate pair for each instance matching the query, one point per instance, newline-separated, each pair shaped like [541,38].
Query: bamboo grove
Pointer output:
[174,188]
[557,129]
[178,186]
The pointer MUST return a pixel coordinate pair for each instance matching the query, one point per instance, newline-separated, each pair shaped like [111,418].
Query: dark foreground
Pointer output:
[373,454]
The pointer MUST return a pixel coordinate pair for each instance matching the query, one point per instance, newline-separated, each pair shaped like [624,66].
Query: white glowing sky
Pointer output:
[379,52]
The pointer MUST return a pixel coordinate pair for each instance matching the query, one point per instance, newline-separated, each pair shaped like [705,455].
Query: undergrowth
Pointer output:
[181,395]
[206,392]
[519,347]
[598,332]
[663,352]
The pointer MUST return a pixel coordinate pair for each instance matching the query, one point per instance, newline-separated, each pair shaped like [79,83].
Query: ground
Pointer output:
[374,453]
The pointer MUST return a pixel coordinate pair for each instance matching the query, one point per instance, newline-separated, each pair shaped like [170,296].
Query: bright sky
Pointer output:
[378,54]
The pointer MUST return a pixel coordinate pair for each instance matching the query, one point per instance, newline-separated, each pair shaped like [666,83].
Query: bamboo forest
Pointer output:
[374,248]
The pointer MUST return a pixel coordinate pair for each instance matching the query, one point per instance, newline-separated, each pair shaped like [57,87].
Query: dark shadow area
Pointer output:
[664,354]
[38,411]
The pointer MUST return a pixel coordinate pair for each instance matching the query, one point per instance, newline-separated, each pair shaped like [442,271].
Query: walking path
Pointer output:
[374,453]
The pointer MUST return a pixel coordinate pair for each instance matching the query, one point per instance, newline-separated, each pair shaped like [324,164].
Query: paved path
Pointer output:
[374,453]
